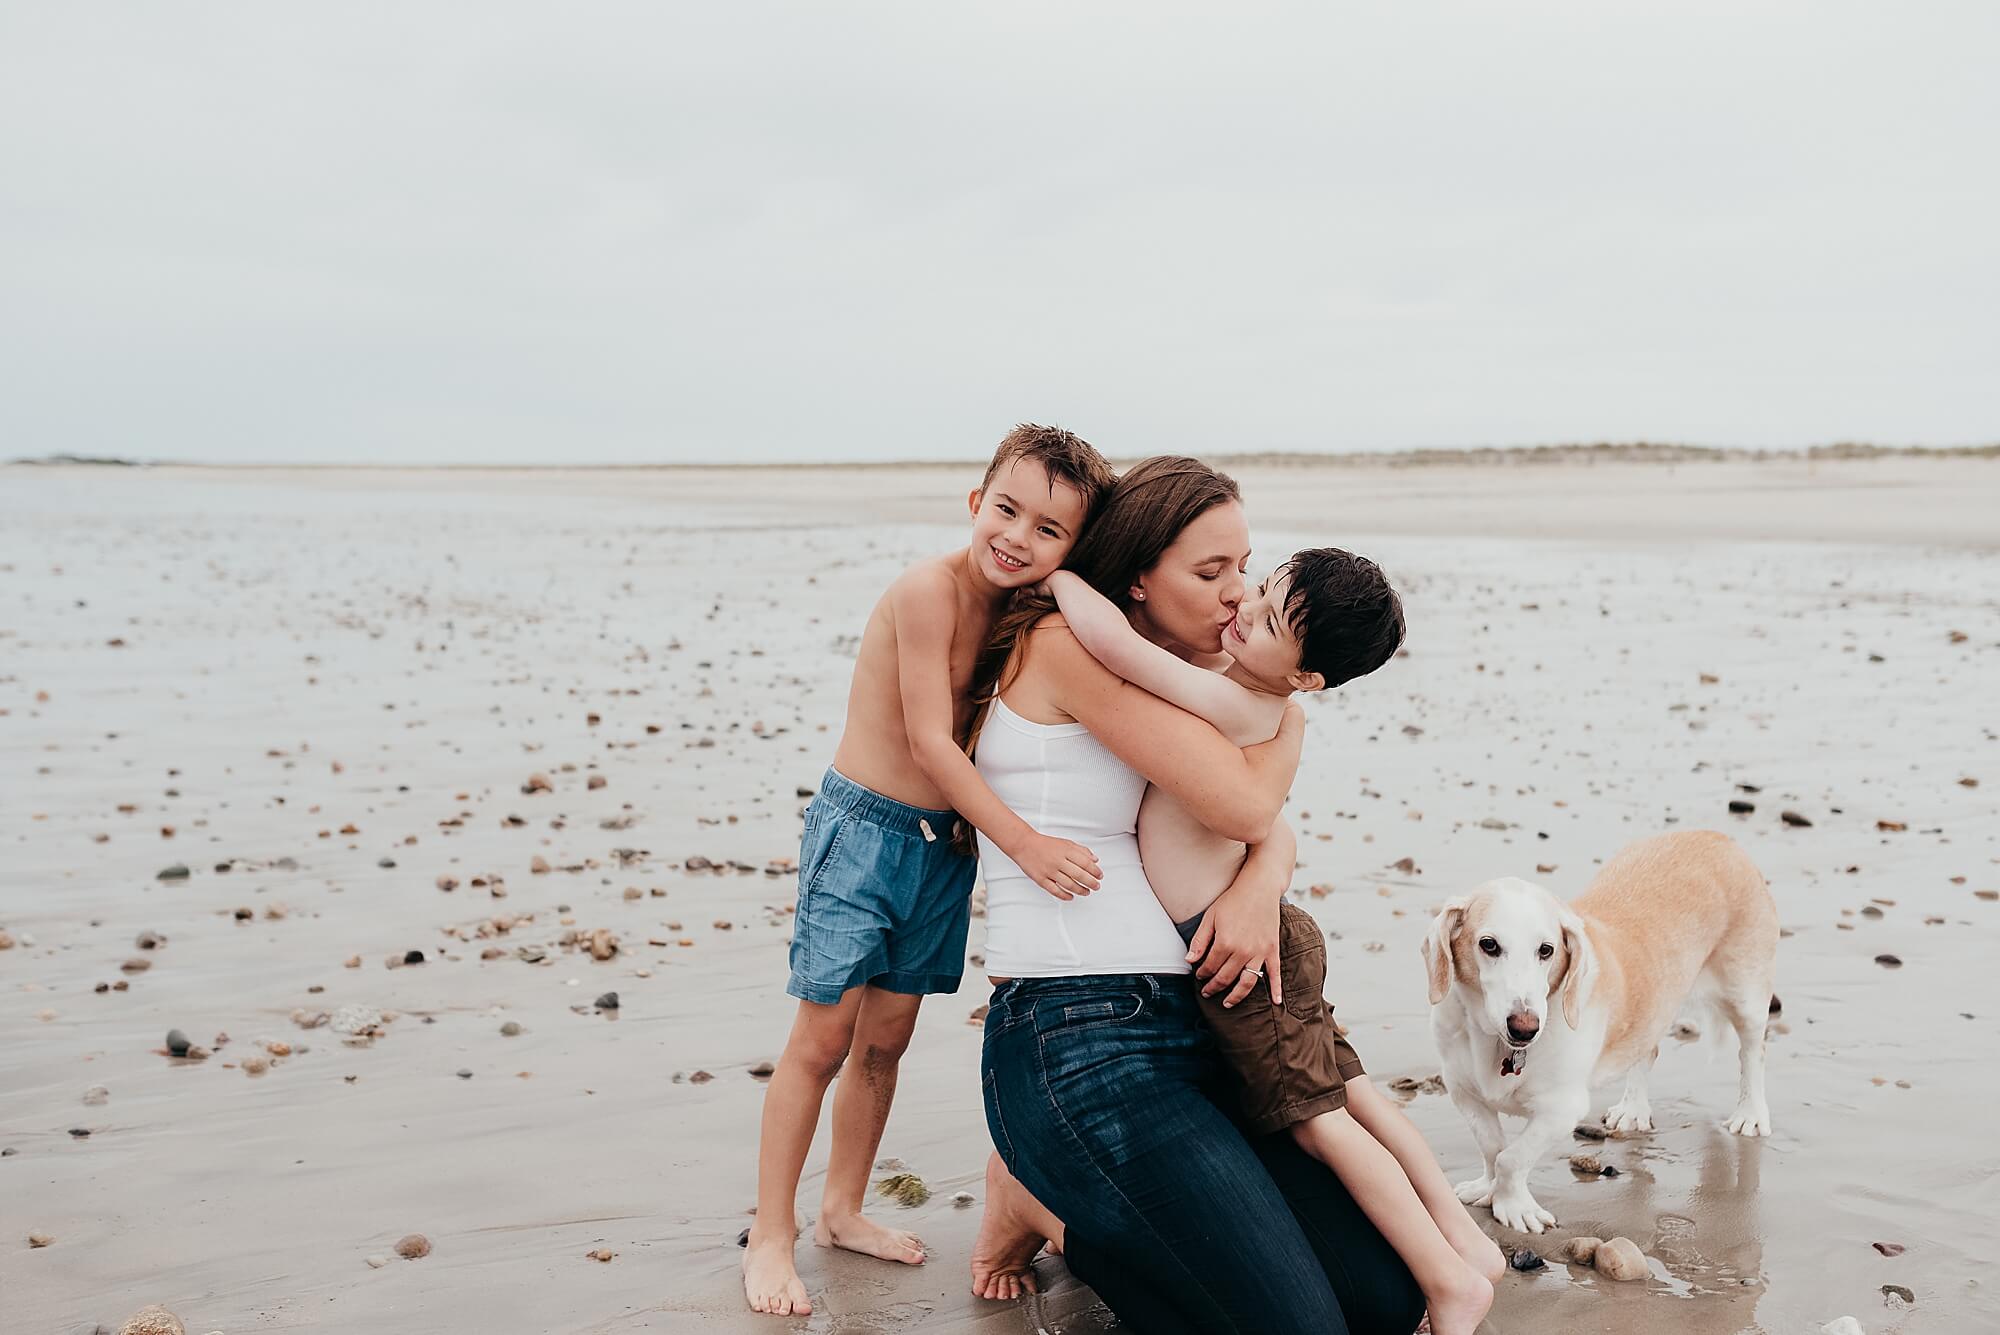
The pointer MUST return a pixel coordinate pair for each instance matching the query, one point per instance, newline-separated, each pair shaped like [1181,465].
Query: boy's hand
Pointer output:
[1237,936]
[1060,866]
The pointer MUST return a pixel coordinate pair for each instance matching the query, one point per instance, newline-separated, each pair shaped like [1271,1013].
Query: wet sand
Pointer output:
[261,659]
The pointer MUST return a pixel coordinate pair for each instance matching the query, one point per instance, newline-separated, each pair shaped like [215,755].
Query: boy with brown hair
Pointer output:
[884,898]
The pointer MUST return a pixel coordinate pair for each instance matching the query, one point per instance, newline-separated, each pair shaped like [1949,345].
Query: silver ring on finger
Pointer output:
[1254,973]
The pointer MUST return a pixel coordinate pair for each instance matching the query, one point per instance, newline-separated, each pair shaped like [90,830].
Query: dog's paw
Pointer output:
[1749,1121]
[1518,1211]
[1629,1117]
[1475,1191]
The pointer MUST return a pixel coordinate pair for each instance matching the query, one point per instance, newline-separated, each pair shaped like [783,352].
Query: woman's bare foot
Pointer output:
[1459,1309]
[1014,1228]
[770,1280]
[857,1233]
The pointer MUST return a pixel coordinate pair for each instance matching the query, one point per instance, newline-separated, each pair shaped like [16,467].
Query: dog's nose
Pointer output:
[1522,1028]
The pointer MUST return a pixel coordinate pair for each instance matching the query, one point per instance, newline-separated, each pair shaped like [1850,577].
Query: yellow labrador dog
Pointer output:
[1674,919]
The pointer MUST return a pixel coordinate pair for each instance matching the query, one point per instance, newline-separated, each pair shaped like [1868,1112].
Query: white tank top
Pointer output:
[1061,780]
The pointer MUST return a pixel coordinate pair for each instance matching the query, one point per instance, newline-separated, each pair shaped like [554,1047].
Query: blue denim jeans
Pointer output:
[1104,1096]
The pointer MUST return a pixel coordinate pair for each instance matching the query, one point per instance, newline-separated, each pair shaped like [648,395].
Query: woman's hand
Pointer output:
[1236,942]
[1238,936]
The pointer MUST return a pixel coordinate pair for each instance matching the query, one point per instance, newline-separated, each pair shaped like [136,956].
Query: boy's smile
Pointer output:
[1023,525]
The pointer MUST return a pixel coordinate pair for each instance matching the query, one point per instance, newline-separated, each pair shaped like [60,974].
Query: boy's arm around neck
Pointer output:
[1102,629]
[923,611]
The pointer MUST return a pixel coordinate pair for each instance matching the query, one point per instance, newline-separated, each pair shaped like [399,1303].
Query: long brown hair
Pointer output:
[1145,511]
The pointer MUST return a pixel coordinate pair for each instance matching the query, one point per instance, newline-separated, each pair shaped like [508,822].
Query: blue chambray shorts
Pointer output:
[881,901]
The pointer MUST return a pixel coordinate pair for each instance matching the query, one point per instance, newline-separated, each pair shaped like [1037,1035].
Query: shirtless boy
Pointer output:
[1323,618]
[884,900]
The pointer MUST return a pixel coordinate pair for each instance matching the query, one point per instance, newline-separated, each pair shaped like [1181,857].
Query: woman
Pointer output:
[1101,1088]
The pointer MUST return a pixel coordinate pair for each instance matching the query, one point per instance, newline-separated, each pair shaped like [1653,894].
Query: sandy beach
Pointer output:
[303,725]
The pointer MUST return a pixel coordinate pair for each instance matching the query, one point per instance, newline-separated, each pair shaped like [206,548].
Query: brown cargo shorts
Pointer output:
[1292,1062]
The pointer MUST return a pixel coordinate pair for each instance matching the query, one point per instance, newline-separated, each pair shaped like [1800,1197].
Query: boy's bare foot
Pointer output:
[770,1280]
[1011,1232]
[1459,1310]
[857,1233]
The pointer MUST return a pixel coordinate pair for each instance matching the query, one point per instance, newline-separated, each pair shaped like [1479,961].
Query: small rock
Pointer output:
[137,964]
[1889,1248]
[150,941]
[177,1043]
[1620,1259]
[601,1254]
[413,957]
[1590,1131]
[906,1189]
[608,1002]
[1525,1259]
[413,1247]
[961,1199]
[377,1260]
[152,1321]
[96,1096]
[1793,818]
[1897,1291]
[177,872]
[255,1065]
[762,1071]
[1588,1164]
[511,1029]
[1889,961]
[595,781]
[79,1133]
[1581,1251]
[537,783]
[39,1239]
[447,883]
[1891,826]
[1739,807]
[699,1077]
[538,864]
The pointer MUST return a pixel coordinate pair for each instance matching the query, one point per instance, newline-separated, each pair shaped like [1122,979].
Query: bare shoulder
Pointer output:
[924,593]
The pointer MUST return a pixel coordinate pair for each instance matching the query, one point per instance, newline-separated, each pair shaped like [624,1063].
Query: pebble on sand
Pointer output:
[1889,1248]
[1620,1259]
[608,1002]
[97,1096]
[1526,1259]
[762,1071]
[39,1239]
[1889,961]
[177,872]
[1581,1250]
[152,1321]
[601,1254]
[413,1247]
[510,1029]
[177,1043]
[1794,819]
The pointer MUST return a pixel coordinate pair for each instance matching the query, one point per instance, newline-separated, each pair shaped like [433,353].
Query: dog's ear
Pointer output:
[1438,945]
[1579,968]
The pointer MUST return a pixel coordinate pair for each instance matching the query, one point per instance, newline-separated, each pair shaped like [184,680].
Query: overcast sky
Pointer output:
[512,233]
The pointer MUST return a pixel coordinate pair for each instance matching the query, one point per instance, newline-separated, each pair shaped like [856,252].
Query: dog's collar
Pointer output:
[1516,1060]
